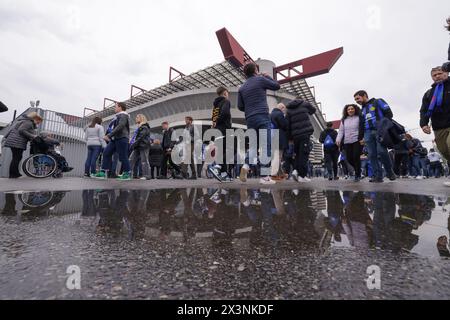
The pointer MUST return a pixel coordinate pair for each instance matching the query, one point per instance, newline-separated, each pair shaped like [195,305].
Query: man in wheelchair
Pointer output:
[44,143]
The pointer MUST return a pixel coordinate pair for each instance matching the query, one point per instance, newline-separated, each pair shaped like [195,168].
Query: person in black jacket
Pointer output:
[331,151]
[279,123]
[140,146]
[438,112]
[168,145]
[222,121]
[156,157]
[300,130]
[3,108]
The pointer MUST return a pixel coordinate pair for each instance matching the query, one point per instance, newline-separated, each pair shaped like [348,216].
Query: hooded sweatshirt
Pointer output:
[222,113]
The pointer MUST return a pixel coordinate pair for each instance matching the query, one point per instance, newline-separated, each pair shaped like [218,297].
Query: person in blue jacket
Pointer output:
[373,111]
[252,99]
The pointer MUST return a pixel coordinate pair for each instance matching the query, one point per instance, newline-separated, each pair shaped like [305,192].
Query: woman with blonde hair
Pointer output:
[140,146]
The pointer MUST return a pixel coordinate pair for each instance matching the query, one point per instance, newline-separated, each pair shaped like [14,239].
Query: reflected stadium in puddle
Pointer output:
[170,226]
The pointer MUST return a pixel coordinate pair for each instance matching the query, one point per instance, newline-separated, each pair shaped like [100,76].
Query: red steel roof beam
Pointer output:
[232,50]
[312,66]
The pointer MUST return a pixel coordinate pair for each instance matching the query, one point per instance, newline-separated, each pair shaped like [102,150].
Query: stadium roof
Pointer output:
[221,74]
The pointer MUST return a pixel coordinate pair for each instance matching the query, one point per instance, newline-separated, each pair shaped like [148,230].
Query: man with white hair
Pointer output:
[436,108]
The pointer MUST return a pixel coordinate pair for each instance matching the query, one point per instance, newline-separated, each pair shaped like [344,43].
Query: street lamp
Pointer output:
[35,104]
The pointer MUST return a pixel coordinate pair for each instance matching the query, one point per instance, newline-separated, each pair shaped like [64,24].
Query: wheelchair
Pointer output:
[41,164]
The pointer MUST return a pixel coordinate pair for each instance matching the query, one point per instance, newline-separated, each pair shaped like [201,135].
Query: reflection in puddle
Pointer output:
[292,219]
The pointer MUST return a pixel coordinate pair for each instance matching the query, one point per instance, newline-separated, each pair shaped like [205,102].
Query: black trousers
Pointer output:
[17,155]
[401,164]
[167,159]
[301,146]
[353,153]
[158,171]
[331,162]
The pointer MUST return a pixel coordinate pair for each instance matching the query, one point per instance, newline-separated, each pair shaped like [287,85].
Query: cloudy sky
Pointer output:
[72,54]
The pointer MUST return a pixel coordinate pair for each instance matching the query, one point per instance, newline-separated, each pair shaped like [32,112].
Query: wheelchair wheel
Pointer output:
[36,199]
[40,166]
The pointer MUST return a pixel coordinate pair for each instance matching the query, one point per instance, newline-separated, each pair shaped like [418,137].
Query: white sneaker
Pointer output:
[303,180]
[419,178]
[295,175]
[447,184]
[267,181]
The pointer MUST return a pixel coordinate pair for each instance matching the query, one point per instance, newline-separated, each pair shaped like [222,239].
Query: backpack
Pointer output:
[329,142]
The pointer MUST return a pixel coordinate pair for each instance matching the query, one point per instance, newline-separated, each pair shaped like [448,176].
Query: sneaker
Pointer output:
[295,175]
[419,178]
[225,177]
[243,175]
[144,179]
[447,184]
[124,177]
[87,175]
[393,177]
[100,176]
[215,173]
[303,180]
[267,181]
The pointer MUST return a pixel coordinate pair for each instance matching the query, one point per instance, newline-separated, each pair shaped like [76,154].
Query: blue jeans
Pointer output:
[90,166]
[414,163]
[261,122]
[424,166]
[435,169]
[120,146]
[377,152]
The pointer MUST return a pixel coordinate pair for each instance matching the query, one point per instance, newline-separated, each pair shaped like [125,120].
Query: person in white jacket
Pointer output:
[95,144]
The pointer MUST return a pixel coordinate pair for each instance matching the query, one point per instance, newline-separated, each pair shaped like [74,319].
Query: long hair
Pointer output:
[95,121]
[345,113]
[143,119]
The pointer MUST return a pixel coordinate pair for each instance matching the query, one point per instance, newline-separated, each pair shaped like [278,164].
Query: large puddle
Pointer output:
[211,243]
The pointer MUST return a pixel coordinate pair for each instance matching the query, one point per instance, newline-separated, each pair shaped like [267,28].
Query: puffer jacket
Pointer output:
[143,137]
[298,116]
[156,155]
[21,133]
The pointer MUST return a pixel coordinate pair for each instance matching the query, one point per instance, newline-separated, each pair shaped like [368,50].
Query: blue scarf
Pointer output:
[111,126]
[436,101]
[133,139]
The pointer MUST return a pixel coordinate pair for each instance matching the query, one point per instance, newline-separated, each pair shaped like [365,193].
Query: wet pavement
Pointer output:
[211,243]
